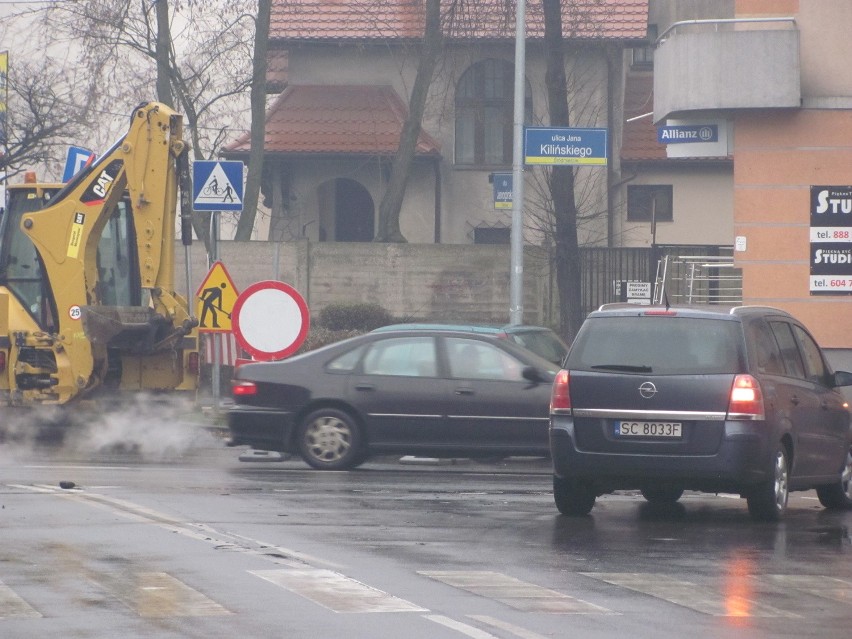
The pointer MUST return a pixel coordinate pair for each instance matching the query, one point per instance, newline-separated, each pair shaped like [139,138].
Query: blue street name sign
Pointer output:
[687,133]
[217,186]
[547,145]
[75,160]
[502,183]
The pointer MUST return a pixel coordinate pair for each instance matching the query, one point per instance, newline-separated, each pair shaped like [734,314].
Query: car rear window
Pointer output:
[542,343]
[659,345]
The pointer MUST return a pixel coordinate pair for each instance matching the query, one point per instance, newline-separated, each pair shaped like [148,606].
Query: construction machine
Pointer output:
[88,307]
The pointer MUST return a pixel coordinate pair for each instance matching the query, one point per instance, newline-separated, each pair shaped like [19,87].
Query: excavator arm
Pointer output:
[106,315]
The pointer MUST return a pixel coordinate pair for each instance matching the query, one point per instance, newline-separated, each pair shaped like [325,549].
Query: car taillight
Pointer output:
[193,364]
[240,388]
[746,400]
[560,398]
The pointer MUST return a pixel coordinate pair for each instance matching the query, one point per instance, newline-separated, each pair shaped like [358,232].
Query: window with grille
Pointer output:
[648,201]
[484,105]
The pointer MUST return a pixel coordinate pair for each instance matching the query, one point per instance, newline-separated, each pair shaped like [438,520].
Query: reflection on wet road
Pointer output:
[208,546]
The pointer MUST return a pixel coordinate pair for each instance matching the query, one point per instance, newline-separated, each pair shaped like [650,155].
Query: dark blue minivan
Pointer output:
[714,399]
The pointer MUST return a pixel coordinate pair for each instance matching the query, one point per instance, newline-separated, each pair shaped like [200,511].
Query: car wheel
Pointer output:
[838,496]
[329,439]
[768,500]
[662,494]
[573,496]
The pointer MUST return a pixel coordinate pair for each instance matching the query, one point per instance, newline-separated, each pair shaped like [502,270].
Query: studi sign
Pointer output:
[831,240]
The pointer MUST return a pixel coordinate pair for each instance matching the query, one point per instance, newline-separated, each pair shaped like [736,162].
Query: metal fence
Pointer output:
[682,273]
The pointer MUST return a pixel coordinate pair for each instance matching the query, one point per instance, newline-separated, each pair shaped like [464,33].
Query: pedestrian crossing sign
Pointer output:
[217,186]
[215,300]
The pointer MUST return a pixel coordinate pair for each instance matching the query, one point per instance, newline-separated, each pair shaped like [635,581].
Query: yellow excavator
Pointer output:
[88,307]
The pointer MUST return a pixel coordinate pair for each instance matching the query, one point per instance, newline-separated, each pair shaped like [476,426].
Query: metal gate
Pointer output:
[685,273]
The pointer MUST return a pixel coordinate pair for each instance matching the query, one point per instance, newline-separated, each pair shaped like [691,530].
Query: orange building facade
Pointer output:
[779,72]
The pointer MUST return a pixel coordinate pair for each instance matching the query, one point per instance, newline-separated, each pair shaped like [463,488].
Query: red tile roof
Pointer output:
[364,120]
[382,20]
[640,136]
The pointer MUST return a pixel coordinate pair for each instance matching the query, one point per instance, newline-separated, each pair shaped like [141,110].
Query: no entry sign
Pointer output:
[270,320]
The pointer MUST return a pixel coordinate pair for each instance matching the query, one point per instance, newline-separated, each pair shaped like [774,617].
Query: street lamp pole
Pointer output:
[516,280]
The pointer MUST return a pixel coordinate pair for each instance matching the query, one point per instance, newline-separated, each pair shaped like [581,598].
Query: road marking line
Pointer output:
[159,595]
[197,531]
[13,607]
[523,633]
[736,602]
[463,628]
[514,592]
[816,585]
[335,591]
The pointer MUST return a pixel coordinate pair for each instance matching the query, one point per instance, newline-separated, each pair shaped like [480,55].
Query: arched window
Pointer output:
[484,113]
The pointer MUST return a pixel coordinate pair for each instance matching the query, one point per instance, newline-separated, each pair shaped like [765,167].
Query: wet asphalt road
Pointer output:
[186,540]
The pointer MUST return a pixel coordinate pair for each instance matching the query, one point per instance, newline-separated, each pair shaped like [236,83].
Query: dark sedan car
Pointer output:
[436,393]
[539,339]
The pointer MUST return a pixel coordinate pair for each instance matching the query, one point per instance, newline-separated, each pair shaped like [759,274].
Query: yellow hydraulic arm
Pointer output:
[105,247]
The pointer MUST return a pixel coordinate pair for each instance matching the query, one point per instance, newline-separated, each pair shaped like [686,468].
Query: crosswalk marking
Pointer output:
[816,585]
[335,591]
[13,607]
[514,592]
[733,602]
[523,633]
[158,594]
[458,626]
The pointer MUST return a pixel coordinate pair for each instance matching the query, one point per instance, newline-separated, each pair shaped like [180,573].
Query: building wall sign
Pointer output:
[696,138]
[831,240]
[554,146]
[688,134]
[502,183]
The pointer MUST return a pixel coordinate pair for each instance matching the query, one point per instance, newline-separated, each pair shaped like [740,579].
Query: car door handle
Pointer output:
[364,387]
[824,405]
[464,390]
[794,400]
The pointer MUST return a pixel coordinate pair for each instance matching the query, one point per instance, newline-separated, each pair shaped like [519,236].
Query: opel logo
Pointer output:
[647,390]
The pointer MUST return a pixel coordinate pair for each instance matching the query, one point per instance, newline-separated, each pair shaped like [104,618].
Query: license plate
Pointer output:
[648,429]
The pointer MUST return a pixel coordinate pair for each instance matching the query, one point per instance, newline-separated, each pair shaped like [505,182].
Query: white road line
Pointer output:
[159,595]
[335,591]
[463,628]
[197,531]
[735,601]
[13,607]
[523,633]
[816,585]
[514,592]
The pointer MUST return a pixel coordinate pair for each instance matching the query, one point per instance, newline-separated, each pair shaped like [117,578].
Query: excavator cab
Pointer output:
[21,271]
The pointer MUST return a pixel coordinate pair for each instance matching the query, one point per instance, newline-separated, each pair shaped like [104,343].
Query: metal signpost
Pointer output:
[216,186]
[516,278]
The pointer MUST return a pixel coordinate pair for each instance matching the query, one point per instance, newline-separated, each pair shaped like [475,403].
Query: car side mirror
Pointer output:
[532,374]
[842,378]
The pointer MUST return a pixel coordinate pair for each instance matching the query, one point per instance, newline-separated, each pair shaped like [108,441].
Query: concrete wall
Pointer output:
[453,283]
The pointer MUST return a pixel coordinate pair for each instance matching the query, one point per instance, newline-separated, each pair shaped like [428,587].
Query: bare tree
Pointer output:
[391,204]
[198,49]
[562,183]
[258,120]
[43,116]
